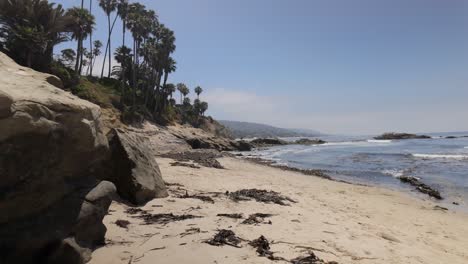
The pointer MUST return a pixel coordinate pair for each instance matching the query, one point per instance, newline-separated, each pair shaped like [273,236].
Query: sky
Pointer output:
[337,66]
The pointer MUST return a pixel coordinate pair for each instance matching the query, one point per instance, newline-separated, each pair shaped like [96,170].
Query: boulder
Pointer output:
[51,144]
[135,171]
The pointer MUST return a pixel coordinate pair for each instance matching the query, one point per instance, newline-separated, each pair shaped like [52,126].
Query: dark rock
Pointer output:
[306,141]
[135,171]
[392,136]
[242,145]
[421,187]
[450,137]
[267,142]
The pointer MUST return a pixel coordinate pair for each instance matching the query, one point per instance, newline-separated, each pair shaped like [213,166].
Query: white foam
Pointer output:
[466,147]
[394,173]
[439,156]
[379,140]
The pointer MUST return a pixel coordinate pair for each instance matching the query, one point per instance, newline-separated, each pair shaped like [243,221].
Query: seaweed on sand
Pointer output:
[225,237]
[256,218]
[263,248]
[234,216]
[311,259]
[197,196]
[262,196]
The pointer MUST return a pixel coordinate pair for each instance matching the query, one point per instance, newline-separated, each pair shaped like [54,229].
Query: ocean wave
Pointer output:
[466,147]
[394,173]
[440,156]
[379,140]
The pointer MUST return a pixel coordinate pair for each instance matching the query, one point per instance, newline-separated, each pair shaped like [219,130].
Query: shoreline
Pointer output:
[337,221]
[420,189]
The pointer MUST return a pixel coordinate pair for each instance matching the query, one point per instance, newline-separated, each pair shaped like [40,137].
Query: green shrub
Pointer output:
[68,76]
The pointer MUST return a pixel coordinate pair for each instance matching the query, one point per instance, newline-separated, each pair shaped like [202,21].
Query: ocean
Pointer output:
[440,162]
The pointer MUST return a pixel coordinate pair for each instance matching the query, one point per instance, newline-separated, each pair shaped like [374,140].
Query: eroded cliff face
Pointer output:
[51,144]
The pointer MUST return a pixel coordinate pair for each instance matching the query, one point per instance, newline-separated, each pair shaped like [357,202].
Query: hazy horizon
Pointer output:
[364,67]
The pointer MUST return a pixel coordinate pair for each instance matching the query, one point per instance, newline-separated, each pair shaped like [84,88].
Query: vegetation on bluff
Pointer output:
[30,29]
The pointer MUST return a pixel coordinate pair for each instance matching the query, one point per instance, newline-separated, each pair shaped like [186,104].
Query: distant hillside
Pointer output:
[246,129]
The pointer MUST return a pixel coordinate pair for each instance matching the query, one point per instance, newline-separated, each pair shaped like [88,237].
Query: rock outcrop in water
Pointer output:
[392,136]
[267,142]
[306,141]
[51,144]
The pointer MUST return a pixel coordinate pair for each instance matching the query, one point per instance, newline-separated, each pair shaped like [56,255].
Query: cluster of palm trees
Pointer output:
[29,30]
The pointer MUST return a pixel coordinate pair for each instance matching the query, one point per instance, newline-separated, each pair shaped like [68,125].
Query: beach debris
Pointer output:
[133,210]
[173,184]
[311,259]
[197,196]
[157,248]
[256,218]
[203,158]
[165,218]
[389,237]
[122,223]
[183,164]
[262,196]
[149,218]
[263,248]
[225,237]
[191,231]
[455,203]
[437,207]
[421,187]
[235,216]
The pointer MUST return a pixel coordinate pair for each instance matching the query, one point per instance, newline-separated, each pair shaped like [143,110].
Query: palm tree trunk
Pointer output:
[166,75]
[78,51]
[81,59]
[110,50]
[90,66]
[104,61]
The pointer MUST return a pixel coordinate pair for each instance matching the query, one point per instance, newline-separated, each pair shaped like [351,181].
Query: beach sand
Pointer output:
[338,221]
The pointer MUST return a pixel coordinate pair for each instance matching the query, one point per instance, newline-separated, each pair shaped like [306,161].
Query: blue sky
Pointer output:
[338,66]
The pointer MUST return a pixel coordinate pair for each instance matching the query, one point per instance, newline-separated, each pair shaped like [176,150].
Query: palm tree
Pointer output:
[83,25]
[68,56]
[122,11]
[182,88]
[198,91]
[203,107]
[108,6]
[96,51]
[30,29]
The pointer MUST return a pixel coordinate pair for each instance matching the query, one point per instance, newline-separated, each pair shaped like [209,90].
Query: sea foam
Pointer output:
[439,156]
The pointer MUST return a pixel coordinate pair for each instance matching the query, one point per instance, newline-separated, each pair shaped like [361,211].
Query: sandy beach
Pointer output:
[339,222]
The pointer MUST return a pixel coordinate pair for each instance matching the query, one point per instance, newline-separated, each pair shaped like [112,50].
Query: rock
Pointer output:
[306,141]
[242,145]
[266,142]
[135,171]
[421,187]
[391,136]
[51,144]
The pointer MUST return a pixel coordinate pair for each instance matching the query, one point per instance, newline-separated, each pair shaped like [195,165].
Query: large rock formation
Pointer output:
[391,136]
[135,171]
[51,142]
